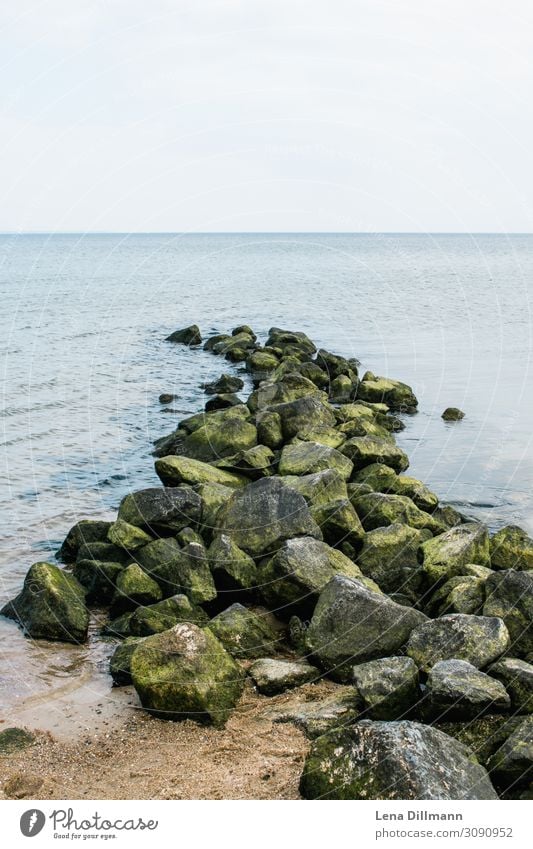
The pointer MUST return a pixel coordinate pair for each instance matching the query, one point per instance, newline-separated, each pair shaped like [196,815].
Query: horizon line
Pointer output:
[265,233]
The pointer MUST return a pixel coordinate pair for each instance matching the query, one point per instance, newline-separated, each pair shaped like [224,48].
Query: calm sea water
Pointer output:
[84,319]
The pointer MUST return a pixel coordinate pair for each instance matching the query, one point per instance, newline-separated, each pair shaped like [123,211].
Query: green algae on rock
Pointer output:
[477,639]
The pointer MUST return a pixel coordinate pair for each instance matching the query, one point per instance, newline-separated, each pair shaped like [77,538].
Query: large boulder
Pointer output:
[457,690]
[269,430]
[447,554]
[175,471]
[364,450]
[279,338]
[379,509]
[393,393]
[339,523]
[512,764]
[213,496]
[161,511]
[309,411]
[245,633]
[511,548]
[186,672]
[256,462]
[273,675]
[392,760]
[232,568]
[304,458]
[289,388]
[477,639]
[226,384]
[120,661]
[98,578]
[388,552]
[509,594]
[127,536]
[517,677]
[179,570]
[352,624]
[50,606]
[214,440]
[384,479]
[186,335]
[298,572]
[84,531]
[264,514]
[388,687]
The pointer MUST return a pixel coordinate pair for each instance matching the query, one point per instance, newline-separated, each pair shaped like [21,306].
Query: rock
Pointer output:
[51,605]
[15,739]
[243,328]
[161,511]
[309,411]
[457,690]
[264,514]
[222,402]
[308,457]
[509,595]
[272,676]
[319,488]
[512,764]
[363,450]
[255,463]
[477,639]
[393,393]
[289,388]
[215,440]
[120,662]
[316,717]
[342,389]
[214,340]
[282,338]
[339,523]
[186,673]
[462,594]
[103,552]
[298,572]
[22,785]
[388,687]
[213,421]
[511,548]
[517,677]
[174,471]
[243,632]
[134,587]
[261,364]
[392,760]
[452,414]
[328,436]
[241,342]
[483,735]
[166,398]
[388,552]
[155,618]
[85,531]
[269,431]
[179,570]
[187,335]
[127,536]
[351,624]
[187,535]
[417,491]
[226,384]
[98,579]
[379,509]
[313,372]
[232,568]
[119,627]
[447,554]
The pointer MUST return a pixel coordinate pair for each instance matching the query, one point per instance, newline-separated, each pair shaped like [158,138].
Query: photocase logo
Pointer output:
[32,822]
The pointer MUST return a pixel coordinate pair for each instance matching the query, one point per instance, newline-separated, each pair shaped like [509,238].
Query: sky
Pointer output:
[286,115]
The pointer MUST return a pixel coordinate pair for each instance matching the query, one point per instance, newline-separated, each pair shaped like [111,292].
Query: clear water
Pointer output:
[84,319]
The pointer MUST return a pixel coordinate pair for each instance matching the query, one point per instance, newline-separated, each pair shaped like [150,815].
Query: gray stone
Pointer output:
[271,675]
[457,690]
[477,639]
[509,594]
[388,687]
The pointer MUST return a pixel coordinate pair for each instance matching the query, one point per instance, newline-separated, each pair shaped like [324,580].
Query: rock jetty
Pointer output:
[286,544]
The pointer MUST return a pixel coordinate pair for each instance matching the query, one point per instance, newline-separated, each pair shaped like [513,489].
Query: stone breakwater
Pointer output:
[286,545]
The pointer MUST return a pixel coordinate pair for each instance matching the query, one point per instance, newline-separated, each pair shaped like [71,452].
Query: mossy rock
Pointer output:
[342,389]
[158,510]
[392,760]
[274,675]
[133,587]
[213,441]
[51,605]
[84,531]
[261,364]
[364,450]
[511,548]
[462,594]
[98,579]
[186,335]
[319,488]
[456,689]
[386,554]
[309,411]
[174,471]
[512,764]
[15,739]
[127,536]
[213,496]
[245,633]
[379,509]
[298,572]
[483,735]
[452,414]
[255,463]
[226,384]
[283,390]
[187,535]
[269,431]
[396,395]
[478,639]
[120,662]
[155,618]
[232,568]
[103,552]
[509,594]
[388,687]
[282,338]
[178,570]
[517,676]
[446,555]
[339,523]
[119,626]
[186,673]
[328,436]
[305,458]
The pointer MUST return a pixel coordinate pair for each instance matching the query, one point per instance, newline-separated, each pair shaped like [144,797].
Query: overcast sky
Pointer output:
[270,115]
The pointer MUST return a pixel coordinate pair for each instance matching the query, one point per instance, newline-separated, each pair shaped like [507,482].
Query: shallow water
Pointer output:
[84,362]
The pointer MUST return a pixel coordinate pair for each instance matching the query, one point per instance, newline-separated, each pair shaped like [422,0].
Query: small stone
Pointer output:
[452,414]
[272,676]
[187,335]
